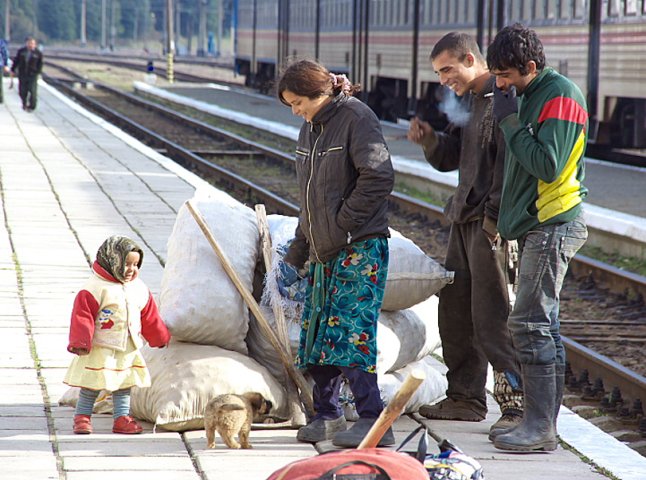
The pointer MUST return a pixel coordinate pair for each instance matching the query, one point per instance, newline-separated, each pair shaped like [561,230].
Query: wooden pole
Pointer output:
[393,410]
[279,313]
[265,243]
[294,374]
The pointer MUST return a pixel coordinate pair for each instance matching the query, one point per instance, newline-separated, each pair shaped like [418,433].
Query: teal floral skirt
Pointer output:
[342,302]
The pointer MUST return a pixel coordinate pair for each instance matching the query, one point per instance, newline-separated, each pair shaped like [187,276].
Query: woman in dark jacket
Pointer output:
[345,176]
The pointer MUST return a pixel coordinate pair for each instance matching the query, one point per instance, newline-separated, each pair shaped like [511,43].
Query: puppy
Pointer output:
[231,414]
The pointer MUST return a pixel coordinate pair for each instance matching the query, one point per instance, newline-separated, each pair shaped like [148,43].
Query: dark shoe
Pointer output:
[449,409]
[82,424]
[536,431]
[320,430]
[127,425]
[352,437]
[506,423]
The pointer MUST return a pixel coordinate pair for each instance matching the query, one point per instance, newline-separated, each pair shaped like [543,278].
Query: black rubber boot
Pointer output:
[352,437]
[559,377]
[536,431]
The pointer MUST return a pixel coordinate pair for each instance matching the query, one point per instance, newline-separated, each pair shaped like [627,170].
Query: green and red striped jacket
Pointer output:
[544,166]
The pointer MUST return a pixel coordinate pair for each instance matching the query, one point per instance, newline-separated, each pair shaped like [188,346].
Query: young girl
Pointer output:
[111,314]
[345,176]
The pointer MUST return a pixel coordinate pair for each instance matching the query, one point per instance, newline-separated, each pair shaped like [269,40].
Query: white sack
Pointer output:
[198,300]
[186,376]
[413,276]
[432,388]
[261,349]
[402,337]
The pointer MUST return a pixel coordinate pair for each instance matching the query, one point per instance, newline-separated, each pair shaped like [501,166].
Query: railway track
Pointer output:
[256,173]
[182,72]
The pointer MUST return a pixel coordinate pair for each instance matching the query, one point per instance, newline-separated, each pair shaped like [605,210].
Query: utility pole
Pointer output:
[104,36]
[113,28]
[201,29]
[7,22]
[221,24]
[83,22]
[170,39]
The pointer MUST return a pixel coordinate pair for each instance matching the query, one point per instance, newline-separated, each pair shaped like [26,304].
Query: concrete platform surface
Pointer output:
[67,181]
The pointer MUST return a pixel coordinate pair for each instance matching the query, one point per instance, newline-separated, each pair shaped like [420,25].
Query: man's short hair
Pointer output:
[458,45]
[514,47]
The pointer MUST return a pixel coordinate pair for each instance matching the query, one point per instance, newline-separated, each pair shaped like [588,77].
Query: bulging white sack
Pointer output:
[186,376]
[198,300]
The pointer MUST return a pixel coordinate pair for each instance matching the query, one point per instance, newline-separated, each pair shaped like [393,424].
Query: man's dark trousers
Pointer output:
[27,89]
[473,314]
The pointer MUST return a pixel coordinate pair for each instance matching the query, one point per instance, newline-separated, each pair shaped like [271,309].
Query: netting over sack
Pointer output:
[186,376]
[198,301]
[413,276]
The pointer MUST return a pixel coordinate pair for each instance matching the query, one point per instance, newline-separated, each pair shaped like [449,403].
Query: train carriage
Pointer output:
[385,45]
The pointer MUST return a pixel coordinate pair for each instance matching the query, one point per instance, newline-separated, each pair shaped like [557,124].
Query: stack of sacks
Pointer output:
[404,338]
[208,319]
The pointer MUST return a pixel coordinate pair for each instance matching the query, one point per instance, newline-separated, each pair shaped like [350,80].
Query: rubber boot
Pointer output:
[559,377]
[536,431]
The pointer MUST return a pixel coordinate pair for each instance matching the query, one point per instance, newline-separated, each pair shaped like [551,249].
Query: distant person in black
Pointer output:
[28,64]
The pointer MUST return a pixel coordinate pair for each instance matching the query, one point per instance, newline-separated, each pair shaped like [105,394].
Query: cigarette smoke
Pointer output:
[457,113]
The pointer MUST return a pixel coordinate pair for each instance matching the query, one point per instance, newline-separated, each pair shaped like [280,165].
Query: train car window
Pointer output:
[613,8]
[631,7]
[551,9]
[539,10]
[579,9]
[470,12]
[528,10]
[564,11]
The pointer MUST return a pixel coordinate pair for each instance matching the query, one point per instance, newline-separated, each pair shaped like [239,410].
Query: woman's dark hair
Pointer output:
[308,78]
[514,47]
[458,44]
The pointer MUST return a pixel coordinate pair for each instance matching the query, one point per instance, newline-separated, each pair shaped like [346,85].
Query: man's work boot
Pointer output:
[508,393]
[536,431]
[352,437]
[449,409]
[509,420]
[321,429]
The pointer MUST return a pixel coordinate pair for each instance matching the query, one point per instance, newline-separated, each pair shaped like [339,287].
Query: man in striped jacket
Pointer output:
[545,130]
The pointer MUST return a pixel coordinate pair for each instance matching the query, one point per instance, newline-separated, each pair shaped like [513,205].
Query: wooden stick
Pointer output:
[265,242]
[294,374]
[296,413]
[393,410]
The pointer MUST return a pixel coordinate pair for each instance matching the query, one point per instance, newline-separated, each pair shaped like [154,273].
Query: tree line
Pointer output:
[110,22]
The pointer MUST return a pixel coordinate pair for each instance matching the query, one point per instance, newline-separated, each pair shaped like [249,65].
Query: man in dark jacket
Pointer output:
[473,310]
[28,63]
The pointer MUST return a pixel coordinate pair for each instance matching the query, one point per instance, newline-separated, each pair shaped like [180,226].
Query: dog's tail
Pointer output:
[230,407]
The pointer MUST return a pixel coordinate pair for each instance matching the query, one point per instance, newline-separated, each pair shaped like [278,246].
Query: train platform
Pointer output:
[616,194]
[68,180]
